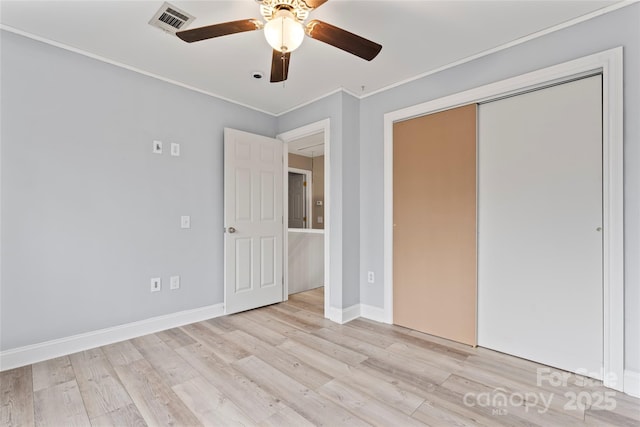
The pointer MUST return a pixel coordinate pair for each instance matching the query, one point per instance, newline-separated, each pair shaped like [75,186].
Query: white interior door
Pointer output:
[253,188]
[539,223]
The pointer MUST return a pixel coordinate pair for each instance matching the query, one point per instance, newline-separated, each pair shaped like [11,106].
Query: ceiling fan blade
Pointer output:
[342,39]
[279,66]
[313,4]
[217,30]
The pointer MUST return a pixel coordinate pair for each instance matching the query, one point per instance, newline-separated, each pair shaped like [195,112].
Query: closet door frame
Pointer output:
[609,64]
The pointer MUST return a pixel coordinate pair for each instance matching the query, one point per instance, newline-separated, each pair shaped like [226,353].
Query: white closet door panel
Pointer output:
[539,213]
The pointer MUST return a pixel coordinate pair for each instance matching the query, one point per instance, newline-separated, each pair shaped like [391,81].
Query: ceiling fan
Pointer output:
[284,29]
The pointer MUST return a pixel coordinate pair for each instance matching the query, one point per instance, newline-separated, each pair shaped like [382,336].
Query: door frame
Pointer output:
[310,129]
[609,64]
[308,193]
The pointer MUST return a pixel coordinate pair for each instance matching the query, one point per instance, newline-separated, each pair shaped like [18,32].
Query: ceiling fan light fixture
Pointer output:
[284,32]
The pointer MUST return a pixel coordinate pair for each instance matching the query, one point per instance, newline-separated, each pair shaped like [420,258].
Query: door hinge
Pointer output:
[304,184]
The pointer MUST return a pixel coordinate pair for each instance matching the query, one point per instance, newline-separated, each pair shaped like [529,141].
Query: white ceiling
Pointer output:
[417,37]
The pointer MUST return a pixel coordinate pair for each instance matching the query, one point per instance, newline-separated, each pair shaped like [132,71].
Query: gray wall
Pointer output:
[343,112]
[619,28]
[89,214]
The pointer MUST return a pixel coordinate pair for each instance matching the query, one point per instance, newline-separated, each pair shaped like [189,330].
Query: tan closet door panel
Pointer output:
[434,215]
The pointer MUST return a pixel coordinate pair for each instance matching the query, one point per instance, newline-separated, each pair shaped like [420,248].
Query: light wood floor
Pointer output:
[286,365]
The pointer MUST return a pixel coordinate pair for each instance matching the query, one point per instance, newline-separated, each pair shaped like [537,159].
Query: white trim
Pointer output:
[350,313]
[370,312]
[127,67]
[34,353]
[344,315]
[632,383]
[311,129]
[355,311]
[508,45]
[609,63]
[516,42]
[308,193]
[304,104]
[306,230]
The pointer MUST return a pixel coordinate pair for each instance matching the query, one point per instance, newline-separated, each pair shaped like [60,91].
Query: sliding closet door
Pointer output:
[539,218]
[434,215]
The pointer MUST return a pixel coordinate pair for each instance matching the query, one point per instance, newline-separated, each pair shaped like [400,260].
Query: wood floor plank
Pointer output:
[227,351]
[306,402]
[157,403]
[210,406]
[433,415]
[427,356]
[286,417]
[281,360]
[498,380]
[165,360]
[246,394]
[286,365]
[16,392]
[269,321]
[52,372]
[175,338]
[127,416]
[327,347]
[256,329]
[122,353]
[98,382]
[374,387]
[364,406]
[533,407]
[60,405]
[303,302]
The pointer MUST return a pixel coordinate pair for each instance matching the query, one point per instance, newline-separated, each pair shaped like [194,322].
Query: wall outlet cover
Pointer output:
[157,147]
[371,277]
[175,149]
[156,284]
[185,221]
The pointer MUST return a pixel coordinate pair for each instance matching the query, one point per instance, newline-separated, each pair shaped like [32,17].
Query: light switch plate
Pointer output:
[156,284]
[175,149]
[157,147]
[185,221]
[174,282]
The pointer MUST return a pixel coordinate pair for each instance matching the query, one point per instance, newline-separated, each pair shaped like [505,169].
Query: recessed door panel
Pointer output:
[267,261]
[244,251]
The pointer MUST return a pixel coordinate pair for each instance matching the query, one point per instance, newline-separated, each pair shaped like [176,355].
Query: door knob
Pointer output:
[231,230]
[599,229]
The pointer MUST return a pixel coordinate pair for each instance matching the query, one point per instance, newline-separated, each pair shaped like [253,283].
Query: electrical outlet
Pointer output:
[371,277]
[185,221]
[320,220]
[174,282]
[175,149]
[157,147]
[156,284]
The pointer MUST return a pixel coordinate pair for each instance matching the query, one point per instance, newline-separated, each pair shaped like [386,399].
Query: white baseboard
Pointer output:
[350,313]
[358,310]
[34,353]
[632,383]
[342,315]
[370,312]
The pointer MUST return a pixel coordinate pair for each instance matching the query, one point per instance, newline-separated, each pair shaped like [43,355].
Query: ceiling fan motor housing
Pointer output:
[299,9]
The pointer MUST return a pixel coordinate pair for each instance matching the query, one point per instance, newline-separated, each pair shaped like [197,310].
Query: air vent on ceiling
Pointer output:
[170,18]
